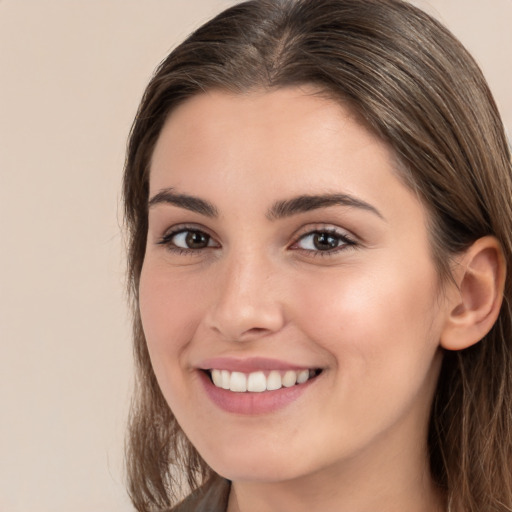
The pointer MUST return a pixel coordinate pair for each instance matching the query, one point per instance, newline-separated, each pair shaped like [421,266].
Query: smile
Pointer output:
[260,381]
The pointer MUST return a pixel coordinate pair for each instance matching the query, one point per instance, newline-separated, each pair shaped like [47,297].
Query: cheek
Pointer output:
[380,333]
[170,306]
[373,318]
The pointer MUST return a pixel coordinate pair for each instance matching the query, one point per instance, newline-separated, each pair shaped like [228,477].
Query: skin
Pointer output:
[370,313]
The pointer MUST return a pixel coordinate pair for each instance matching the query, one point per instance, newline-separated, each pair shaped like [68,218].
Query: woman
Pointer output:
[318,199]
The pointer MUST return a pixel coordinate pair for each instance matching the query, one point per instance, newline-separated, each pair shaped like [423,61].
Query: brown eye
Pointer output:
[323,241]
[196,240]
[188,240]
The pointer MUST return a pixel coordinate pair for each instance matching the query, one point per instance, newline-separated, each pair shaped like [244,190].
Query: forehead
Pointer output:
[294,133]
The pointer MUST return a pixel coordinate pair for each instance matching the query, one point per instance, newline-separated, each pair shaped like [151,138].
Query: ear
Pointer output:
[475,300]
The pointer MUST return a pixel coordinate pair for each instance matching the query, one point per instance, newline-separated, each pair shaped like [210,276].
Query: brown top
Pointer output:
[211,497]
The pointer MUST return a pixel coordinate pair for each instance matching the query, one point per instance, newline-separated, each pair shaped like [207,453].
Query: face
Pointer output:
[286,257]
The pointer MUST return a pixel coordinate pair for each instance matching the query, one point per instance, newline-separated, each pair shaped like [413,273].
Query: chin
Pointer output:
[260,467]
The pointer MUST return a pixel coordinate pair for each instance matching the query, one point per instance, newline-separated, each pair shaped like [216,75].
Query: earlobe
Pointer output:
[474,305]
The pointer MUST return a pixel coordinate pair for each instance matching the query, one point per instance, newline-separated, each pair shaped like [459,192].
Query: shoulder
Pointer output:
[211,497]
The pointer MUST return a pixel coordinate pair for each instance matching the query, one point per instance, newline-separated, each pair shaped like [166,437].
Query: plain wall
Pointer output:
[71,75]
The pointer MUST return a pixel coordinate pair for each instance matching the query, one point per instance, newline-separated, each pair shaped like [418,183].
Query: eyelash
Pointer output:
[345,241]
[167,240]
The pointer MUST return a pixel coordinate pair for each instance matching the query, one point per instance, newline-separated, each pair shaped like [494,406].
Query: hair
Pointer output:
[414,85]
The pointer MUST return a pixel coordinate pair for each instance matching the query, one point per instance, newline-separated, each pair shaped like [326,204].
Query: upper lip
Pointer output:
[249,365]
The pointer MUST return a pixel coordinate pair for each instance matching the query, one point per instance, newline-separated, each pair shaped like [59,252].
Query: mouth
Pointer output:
[260,381]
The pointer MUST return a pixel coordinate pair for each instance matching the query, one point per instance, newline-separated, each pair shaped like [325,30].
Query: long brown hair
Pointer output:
[419,89]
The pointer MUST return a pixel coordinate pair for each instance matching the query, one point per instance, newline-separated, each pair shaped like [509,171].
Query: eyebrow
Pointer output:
[306,203]
[279,210]
[194,204]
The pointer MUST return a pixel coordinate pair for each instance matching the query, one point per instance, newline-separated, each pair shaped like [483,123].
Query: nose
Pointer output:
[249,301]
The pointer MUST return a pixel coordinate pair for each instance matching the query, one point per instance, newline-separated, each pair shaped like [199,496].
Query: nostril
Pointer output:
[254,332]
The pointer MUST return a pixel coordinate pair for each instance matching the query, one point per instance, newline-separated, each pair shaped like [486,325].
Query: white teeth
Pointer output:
[302,376]
[289,379]
[238,382]
[217,378]
[257,382]
[274,381]
[226,377]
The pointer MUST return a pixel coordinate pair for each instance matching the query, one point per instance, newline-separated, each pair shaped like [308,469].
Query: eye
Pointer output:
[191,240]
[323,241]
[186,239]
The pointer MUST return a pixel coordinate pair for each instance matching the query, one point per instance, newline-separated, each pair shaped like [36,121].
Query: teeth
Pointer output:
[238,382]
[226,377]
[302,376]
[274,381]
[289,379]
[217,378]
[257,382]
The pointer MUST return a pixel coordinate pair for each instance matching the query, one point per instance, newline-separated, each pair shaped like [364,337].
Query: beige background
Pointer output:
[71,74]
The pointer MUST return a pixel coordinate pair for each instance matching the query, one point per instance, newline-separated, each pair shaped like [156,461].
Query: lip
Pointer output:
[251,403]
[249,365]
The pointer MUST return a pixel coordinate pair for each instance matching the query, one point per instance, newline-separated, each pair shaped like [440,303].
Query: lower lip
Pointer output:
[252,403]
